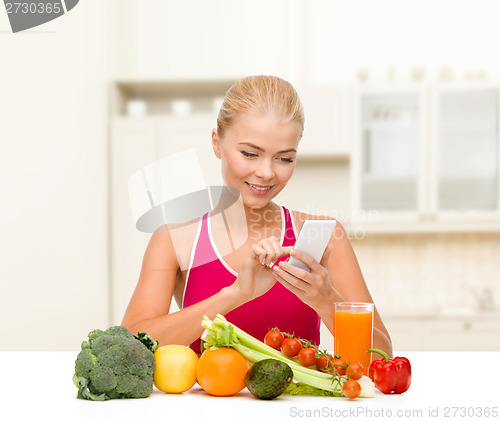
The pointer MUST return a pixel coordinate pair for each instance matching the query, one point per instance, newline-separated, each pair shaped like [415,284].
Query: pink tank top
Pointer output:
[208,273]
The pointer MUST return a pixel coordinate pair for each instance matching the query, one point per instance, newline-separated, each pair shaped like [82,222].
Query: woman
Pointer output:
[221,263]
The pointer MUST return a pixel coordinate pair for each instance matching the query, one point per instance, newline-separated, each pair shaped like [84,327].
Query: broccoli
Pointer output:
[114,364]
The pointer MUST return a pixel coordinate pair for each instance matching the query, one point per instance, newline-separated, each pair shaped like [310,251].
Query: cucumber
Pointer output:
[268,378]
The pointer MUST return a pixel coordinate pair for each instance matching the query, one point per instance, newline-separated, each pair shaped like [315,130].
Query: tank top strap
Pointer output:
[204,251]
[277,307]
[201,251]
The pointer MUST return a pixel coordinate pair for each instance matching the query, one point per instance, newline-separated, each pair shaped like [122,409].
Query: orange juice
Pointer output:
[353,334]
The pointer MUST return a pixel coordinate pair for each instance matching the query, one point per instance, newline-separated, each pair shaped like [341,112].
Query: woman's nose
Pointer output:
[265,169]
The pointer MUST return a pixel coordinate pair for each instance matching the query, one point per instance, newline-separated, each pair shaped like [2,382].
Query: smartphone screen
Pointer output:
[313,239]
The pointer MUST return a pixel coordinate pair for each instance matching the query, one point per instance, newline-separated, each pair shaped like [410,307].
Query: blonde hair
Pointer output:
[260,95]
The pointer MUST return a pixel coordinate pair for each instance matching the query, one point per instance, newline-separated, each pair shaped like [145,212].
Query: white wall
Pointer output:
[53,164]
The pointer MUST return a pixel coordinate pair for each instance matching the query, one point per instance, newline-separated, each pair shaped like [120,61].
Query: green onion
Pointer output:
[221,333]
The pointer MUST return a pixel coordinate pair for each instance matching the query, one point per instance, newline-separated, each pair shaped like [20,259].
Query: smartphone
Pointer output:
[313,239]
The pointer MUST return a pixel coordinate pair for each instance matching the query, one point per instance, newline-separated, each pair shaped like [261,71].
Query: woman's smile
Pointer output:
[258,189]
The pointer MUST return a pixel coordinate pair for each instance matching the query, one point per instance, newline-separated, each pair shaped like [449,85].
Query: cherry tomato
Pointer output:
[274,339]
[354,371]
[321,363]
[339,365]
[351,389]
[306,357]
[291,347]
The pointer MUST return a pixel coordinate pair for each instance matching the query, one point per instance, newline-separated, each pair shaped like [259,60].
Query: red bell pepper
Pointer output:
[390,375]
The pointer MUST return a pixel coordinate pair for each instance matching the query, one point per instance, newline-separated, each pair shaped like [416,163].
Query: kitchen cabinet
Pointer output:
[327,122]
[424,154]
[133,145]
[389,153]
[173,116]
[176,134]
[136,143]
[445,333]
[464,148]
[406,335]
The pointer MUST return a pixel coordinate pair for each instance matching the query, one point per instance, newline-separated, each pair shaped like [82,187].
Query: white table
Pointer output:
[447,386]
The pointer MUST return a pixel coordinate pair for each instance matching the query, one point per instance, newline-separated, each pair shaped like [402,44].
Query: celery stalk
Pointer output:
[221,333]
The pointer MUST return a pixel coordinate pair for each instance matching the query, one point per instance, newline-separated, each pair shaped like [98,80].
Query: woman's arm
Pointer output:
[149,306]
[348,282]
[336,278]
[346,277]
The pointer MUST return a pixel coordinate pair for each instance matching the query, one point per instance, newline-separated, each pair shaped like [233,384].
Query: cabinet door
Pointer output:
[388,156]
[177,134]
[483,335]
[327,118]
[466,150]
[405,335]
[444,334]
[464,335]
[133,145]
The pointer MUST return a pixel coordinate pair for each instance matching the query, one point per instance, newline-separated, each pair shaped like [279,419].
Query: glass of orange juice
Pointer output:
[353,332]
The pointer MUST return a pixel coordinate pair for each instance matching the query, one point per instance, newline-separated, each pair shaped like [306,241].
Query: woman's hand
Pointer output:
[313,288]
[255,277]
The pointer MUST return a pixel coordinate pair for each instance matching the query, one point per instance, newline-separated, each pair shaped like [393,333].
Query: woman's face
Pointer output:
[257,156]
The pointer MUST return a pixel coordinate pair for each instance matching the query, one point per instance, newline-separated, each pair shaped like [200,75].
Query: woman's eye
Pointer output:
[287,160]
[248,154]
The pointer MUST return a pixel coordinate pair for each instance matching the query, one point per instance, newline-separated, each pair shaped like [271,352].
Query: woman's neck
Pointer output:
[254,222]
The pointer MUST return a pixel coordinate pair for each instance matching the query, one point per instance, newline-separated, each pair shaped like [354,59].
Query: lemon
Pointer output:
[175,368]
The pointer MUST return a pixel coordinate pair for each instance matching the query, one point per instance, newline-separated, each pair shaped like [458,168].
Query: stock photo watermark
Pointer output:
[362,412]
[353,222]
[28,14]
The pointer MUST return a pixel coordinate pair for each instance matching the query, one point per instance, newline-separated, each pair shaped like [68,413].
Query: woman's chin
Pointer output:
[256,203]
[249,200]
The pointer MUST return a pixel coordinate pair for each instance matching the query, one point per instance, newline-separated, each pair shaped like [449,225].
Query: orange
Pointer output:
[221,372]
[175,368]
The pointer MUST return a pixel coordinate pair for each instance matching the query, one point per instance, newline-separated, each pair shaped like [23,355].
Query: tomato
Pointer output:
[221,372]
[322,365]
[355,371]
[175,370]
[274,338]
[291,347]
[351,389]
[339,365]
[306,356]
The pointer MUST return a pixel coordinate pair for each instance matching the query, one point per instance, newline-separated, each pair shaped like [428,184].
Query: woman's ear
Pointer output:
[216,143]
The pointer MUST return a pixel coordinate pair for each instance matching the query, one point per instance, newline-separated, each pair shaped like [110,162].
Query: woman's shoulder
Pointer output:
[168,232]
[178,240]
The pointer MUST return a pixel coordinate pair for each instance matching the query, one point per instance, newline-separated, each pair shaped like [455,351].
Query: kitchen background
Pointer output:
[401,145]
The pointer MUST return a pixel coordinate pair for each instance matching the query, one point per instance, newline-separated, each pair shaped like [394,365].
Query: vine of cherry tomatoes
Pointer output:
[309,355]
